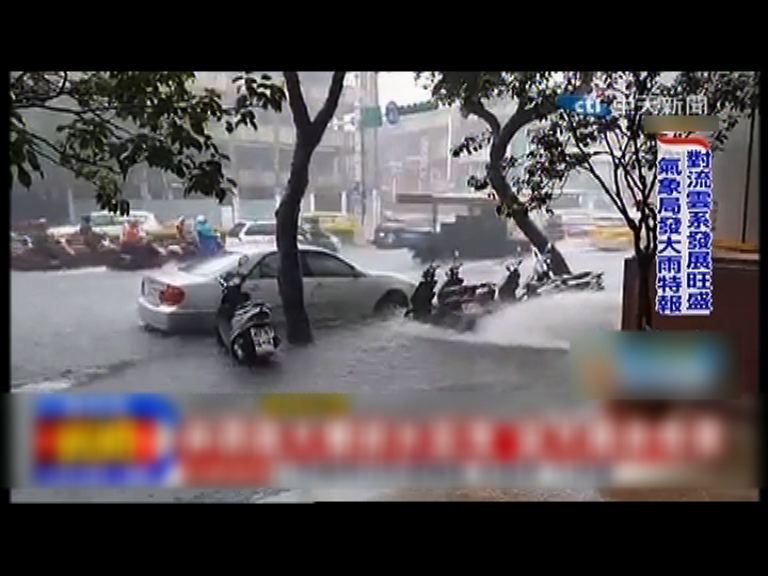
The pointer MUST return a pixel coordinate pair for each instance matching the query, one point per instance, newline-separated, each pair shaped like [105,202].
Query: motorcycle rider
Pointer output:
[92,239]
[132,234]
[508,289]
[181,234]
[42,243]
[207,240]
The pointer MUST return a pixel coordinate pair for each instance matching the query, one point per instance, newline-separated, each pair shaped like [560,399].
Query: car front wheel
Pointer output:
[392,303]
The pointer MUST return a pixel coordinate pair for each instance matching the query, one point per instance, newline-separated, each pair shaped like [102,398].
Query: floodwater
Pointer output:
[78,330]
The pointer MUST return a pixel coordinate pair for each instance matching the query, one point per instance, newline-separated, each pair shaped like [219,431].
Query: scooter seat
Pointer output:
[452,291]
[578,276]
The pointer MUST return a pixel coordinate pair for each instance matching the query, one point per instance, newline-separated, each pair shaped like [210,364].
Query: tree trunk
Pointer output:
[524,222]
[308,135]
[289,276]
[644,306]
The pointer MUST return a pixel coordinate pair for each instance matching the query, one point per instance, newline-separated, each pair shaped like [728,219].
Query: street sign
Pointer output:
[370,117]
[418,107]
[393,113]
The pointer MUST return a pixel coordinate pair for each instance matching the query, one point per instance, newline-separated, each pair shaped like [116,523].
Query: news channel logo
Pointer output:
[604,103]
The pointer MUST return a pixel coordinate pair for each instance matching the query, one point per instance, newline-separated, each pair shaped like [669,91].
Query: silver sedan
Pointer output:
[186,298]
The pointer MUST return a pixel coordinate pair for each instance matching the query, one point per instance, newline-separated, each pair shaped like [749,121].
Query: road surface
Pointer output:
[78,330]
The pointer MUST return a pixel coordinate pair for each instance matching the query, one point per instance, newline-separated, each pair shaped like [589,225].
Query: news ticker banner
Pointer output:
[382,441]
[684,227]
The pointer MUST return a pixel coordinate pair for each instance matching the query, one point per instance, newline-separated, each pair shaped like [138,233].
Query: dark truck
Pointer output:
[481,234]
[396,233]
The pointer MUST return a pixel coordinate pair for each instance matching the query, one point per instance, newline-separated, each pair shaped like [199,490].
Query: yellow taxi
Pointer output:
[611,235]
[341,225]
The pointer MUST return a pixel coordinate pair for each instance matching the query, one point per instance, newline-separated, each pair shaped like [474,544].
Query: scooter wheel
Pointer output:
[243,350]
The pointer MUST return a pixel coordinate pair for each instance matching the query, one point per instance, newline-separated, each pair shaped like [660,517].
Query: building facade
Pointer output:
[415,155]
[261,159]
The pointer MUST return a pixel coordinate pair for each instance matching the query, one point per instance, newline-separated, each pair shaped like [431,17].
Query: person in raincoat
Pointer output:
[181,233]
[132,233]
[207,239]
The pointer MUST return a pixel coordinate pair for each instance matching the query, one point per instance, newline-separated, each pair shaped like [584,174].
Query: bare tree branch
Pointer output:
[66,154]
[483,113]
[617,163]
[30,98]
[83,114]
[524,116]
[296,101]
[647,193]
[596,175]
[62,86]
[51,108]
[323,117]
[520,118]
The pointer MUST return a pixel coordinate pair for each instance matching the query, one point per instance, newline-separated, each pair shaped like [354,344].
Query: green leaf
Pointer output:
[197,127]
[24,178]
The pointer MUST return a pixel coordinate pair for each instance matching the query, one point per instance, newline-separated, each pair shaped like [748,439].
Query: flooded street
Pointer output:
[81,331]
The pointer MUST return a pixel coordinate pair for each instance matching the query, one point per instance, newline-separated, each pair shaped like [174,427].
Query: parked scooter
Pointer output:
[508,289]
[422,297]
[454,293]
[452,300]
[543,280]
[244,326]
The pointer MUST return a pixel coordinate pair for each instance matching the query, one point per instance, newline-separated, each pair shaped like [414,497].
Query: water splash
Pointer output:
[551,322]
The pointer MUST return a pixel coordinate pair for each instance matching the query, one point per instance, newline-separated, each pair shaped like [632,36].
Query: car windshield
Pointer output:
[213,266]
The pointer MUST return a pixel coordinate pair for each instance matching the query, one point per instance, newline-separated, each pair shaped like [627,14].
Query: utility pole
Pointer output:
[375,94]
[361,104]
[448,150]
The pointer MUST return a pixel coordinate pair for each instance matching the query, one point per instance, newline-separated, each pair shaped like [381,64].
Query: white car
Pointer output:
[111,224]
[186,299]
[251,232]
[264,232]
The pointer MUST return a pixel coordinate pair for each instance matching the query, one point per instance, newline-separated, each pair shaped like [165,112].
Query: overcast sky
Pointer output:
[400,87]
